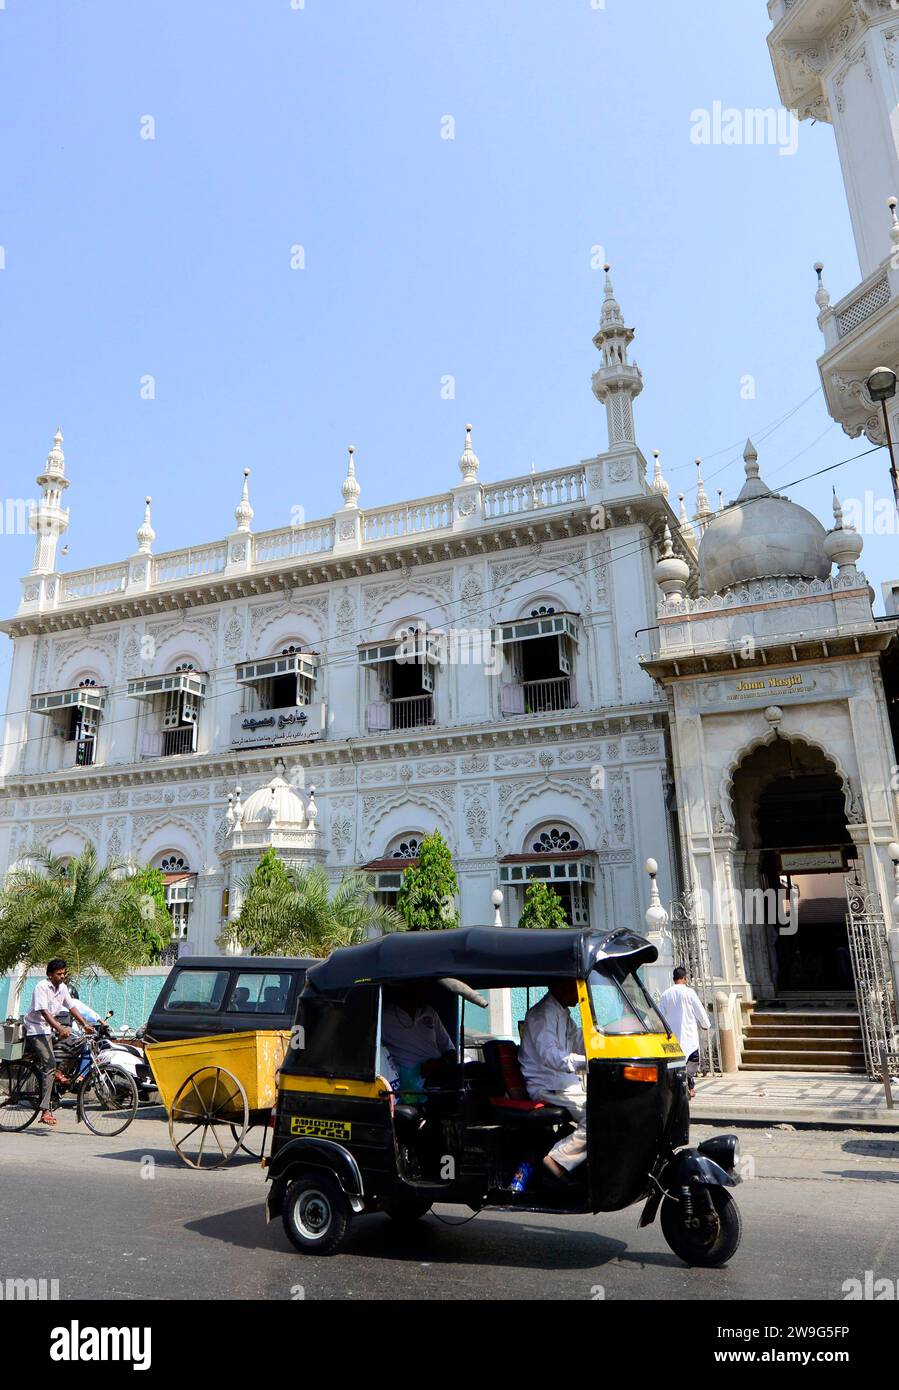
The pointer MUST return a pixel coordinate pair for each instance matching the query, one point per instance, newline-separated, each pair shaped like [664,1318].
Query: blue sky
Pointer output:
[425,257]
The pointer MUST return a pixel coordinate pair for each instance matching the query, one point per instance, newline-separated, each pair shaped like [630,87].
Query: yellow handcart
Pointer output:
[211,1084]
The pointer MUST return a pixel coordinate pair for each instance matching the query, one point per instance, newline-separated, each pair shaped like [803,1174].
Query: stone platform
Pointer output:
[796,1098]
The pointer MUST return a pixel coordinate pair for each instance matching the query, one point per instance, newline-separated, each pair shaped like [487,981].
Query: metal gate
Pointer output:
[869,949]
[690,948]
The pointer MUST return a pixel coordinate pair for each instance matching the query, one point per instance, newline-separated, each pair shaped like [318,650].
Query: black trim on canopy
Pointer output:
[487,957]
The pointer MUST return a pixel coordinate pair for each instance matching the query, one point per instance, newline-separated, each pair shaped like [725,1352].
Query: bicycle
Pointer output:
[105,1096]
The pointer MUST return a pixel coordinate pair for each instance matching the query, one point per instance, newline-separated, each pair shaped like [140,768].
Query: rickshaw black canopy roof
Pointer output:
[490,957]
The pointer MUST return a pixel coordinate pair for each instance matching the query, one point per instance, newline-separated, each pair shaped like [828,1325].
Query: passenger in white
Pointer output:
[682,1010]
[415,1040]
[553,1064]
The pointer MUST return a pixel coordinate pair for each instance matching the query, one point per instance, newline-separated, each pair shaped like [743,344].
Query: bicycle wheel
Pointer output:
[107,1101]
[20,1095]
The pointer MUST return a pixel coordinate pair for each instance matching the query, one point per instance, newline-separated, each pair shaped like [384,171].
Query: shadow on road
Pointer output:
[478,1242]
[868,1174]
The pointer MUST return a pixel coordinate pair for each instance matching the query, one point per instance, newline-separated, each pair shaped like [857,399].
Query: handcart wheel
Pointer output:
[255,1145]
[210,1099]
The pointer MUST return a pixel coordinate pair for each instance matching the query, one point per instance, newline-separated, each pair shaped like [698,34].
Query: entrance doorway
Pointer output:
[790,809]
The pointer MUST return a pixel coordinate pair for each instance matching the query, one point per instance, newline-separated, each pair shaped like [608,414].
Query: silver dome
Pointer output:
[762,535]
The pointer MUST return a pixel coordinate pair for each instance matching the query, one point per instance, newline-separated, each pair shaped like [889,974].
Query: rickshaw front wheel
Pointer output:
[316,1214]
[705,1237]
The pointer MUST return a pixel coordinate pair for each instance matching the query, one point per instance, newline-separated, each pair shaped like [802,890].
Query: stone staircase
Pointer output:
[823,1040]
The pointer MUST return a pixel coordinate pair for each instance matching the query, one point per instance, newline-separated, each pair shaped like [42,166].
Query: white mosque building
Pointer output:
[595,679]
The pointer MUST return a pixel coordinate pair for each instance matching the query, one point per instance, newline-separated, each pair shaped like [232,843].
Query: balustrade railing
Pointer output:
[109,579]
[293,543]
[388,523]
[542,697]
[411,712]
[189,564]
[534,493]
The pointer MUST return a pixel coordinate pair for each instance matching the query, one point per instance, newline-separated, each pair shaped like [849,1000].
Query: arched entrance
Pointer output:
[790,813]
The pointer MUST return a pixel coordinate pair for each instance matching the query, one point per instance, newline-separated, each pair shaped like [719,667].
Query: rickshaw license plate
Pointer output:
[322,1129]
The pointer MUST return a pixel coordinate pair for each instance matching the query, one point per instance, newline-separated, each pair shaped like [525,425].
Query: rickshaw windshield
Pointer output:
[621,1005]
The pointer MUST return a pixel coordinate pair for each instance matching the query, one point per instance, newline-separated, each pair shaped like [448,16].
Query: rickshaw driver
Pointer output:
[553,1064]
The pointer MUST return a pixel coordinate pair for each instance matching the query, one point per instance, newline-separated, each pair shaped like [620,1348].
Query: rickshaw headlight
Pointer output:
[638,1073]
[723,1149]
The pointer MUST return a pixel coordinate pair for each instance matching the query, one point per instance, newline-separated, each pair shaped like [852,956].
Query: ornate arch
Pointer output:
[425,809]
[154,835]
[519,821]
[726,784]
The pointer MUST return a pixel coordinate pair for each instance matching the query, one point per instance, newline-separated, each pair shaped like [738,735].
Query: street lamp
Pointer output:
[496,898]
[881,386]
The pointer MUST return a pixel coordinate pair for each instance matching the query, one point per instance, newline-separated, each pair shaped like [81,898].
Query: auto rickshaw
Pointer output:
[347,1143]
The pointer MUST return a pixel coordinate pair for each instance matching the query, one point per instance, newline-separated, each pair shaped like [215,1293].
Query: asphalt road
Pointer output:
[124,1218]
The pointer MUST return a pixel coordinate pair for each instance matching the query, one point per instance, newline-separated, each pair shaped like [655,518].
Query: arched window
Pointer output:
[179,894]
[405,847]
[555,854]
[555,840]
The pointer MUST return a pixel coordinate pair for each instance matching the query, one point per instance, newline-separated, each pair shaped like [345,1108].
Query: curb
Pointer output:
[804,1117]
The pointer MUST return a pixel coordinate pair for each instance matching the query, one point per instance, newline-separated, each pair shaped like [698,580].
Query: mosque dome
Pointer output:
[275,804]
[762,535]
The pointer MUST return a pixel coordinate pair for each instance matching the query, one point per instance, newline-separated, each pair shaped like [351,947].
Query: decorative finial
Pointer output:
[703,506]
[894,229]
[145,533]
[751,460]
[56,458]
[611,309]
[656,918]
[469,462]
[243,512]
[658,483]
[842,544]
[351,488]
[667,543]
[311,809]
[822,297]
[721,499]
[686,526]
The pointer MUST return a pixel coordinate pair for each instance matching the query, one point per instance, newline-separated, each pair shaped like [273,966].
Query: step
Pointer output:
[802,1043]
[806,1020]
[832,1067]
[797,1061]
[810,1030]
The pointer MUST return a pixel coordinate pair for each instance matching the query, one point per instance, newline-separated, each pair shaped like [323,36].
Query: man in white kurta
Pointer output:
[682,1010]
[553,1064]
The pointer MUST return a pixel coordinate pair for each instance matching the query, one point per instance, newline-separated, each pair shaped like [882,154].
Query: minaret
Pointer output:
[49,519]
[618,382]
[836,63]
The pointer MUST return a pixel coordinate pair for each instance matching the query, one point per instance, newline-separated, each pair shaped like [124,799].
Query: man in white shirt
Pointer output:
[51,996]
[682,1010]
[414,1038]
[553,1064]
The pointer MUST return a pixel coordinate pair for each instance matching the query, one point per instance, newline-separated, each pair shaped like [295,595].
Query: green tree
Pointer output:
[542,907]
[427,896]
[291,912]
[84,911]
[153,922]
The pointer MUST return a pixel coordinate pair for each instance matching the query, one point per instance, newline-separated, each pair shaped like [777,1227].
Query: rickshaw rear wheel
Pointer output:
[405,1211]
[316,1214]
[714,1240]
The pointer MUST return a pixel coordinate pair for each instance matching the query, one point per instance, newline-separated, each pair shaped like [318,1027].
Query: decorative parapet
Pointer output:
[470,505]
[762,591]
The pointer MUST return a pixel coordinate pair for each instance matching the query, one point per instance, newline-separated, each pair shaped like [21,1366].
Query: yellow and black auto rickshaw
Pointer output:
[347,1141]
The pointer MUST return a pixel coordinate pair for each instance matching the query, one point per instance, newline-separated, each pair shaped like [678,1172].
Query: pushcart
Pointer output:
[216,1089]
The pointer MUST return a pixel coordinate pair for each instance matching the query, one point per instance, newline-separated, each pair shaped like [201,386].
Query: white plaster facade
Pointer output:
[837,61]
[591,762]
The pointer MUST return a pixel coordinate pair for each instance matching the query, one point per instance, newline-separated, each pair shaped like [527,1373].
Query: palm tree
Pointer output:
[93,915]
[292,913]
